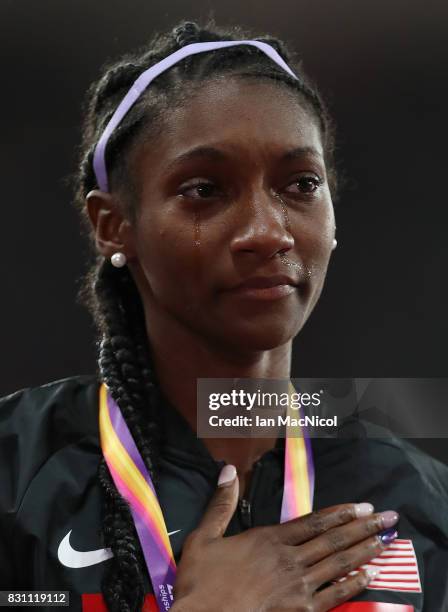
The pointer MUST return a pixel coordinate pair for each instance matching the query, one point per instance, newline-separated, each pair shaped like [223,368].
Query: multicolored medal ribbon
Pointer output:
[298,484]
[134,483]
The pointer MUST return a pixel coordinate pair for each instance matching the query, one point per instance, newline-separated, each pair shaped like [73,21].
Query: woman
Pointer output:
[209,198]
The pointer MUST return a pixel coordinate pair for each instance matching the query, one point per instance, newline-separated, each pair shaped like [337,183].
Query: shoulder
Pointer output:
[407,461]
[36,423]
[57,398]
[402,456]
[388,471]
[433,474]
[382,452]
[417,481]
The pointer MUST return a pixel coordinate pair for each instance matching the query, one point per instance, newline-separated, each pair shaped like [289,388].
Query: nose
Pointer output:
[262,228]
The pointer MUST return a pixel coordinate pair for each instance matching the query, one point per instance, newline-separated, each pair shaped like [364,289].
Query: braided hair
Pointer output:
[125,361]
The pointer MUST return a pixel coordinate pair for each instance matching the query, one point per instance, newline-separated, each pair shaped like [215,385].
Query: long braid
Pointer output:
[120,361]
[111,295]
[130,386]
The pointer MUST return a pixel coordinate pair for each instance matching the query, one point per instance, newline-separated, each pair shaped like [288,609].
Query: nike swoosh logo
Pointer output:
[75,559]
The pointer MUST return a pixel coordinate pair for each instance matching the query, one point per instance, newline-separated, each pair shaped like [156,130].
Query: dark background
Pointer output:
[382,65]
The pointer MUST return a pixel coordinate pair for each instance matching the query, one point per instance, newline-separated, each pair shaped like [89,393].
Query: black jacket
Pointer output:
[49,456]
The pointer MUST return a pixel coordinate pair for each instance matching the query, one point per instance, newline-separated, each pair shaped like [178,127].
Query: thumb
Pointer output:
[222,505]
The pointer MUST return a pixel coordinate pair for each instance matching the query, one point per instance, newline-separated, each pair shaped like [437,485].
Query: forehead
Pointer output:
[250,117]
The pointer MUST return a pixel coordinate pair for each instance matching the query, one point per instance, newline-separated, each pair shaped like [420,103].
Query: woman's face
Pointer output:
[234,188]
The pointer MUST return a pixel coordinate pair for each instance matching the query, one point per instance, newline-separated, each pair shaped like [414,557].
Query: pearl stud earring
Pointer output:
[335,244]
[118,260]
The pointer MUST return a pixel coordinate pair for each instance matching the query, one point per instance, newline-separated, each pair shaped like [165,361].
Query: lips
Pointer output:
[265,282]
[265,287]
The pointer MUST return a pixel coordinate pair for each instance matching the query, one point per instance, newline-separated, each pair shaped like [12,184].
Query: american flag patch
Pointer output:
[399,569]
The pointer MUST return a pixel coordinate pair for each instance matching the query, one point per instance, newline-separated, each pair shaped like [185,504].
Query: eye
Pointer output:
[199,190]
[305,183]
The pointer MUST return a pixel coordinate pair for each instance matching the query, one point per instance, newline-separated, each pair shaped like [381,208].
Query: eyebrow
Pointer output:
[202,152]
[211,153]
[300,152]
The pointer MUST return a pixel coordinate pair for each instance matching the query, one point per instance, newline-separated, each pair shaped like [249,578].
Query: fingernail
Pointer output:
[227,475]
[372,573]
[363,509]
[388,536]
[389,518]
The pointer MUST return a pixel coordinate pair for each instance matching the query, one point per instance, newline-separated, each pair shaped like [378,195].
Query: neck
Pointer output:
[182,352]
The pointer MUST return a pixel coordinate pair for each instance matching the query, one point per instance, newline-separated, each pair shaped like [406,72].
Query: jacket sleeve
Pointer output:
[34,424]
[13,480]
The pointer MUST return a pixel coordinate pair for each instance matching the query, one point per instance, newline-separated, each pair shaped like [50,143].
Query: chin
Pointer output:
[264,336]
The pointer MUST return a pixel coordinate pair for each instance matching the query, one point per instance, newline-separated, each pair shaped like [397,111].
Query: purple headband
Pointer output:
[142,82]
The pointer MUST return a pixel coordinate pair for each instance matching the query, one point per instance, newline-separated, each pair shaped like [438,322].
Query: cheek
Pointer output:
[319,253]
[314,234]
[168,257]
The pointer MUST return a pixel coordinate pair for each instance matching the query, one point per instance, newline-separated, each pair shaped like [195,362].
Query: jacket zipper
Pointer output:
[245,504]
[245,513]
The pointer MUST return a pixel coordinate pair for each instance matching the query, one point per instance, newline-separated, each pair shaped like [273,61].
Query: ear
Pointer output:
[113,232]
